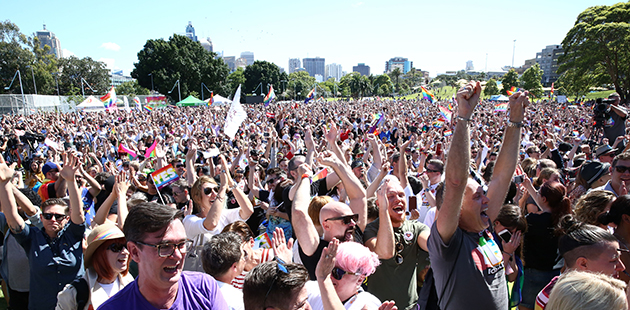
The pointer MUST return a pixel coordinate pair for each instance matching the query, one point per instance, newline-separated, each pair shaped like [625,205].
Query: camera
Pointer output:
[601,111]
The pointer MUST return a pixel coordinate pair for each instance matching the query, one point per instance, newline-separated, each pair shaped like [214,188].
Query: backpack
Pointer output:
[83,292]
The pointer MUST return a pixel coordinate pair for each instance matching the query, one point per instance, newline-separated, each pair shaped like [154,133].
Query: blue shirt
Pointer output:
[54,263]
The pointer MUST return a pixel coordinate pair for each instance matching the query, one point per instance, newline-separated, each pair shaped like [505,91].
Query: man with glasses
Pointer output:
[54,253]
[619,182]
[157,241]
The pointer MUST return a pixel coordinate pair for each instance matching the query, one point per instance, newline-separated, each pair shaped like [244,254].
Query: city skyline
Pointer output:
[434,36]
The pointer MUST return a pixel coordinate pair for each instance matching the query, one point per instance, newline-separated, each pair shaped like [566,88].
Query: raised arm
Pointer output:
[302,223]
[191,157]
[121,187]
[7,200]
[508,155]
[71,165]
[456,174]
[354,189]
[383,243]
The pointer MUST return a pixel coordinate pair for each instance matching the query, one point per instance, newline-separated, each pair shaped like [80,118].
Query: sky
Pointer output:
[438,36]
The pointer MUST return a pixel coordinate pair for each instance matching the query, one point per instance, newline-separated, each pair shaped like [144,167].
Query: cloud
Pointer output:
[109,62]
[66,53]
[358,4]
[111,46]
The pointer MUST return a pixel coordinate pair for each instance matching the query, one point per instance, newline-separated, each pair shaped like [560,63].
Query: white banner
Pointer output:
[235,116]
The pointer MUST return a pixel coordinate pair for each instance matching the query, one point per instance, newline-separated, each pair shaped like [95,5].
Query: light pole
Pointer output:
[178,90]
[19,75]
[56,74]
[261,90]
[284,86]
[33,74]
[202,86]
[151,75]
[513,50]
[83,87]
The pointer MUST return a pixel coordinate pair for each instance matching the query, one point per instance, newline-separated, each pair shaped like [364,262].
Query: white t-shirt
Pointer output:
[194,224]
[357,302]
[232,295]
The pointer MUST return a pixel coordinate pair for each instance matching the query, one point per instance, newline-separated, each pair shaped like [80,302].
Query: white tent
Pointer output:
[91,104]
[218,99]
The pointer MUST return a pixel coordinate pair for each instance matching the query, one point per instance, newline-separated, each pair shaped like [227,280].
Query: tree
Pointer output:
[300,82]
[600,39]
[330,86]
[491,88]
[259,72]
[577,83]
[379,82]
[395,75]
[131,88]
[532,78]
[180,58]
[93,72]
[509,79]
[235,79]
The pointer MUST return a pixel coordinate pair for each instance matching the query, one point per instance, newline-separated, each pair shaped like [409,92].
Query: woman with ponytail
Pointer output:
[540,243]
[619,215]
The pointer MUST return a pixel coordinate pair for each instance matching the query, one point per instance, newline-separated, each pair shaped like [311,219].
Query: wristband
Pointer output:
[304,176]
[463,119]
[515,124]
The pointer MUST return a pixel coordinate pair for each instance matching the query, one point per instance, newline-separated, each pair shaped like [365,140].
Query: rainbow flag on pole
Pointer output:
[271,95]
[512,90]
[122,149]
[427,94]
[310,95]
[109,99]
[151,150]
[446,113]
[148,108]
[211,100]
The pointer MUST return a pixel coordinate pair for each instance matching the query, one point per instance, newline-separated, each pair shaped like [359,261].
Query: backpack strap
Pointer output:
[83,292]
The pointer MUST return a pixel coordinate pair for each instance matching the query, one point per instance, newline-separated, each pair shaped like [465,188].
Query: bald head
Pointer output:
[333,209]
[334,226]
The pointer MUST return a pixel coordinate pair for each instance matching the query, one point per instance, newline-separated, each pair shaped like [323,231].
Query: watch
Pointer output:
[515,124]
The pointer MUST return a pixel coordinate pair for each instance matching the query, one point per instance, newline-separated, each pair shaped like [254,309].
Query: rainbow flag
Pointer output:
[319,175]
[500,107]
[438,123]
[427,95]
[148,108]
[122,149]
[271,95]
[151,150]
[448,132]
[310,96]
[136,100]
[512,90]
[445,113]
[381,119]
[211,100]
[109,99]
[576,133]
[551,93]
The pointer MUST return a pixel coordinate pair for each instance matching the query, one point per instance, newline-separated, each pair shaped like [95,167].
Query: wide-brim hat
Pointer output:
[100,234]
[604,149]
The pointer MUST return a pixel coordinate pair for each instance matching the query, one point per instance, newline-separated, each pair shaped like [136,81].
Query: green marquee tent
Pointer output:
[190,101]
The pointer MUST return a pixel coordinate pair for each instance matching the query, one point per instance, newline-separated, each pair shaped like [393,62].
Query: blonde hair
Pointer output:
[587,291]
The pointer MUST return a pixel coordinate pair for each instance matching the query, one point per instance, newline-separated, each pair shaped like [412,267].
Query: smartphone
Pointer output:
[506,235]
[438,149]
[413,203]
[518,179]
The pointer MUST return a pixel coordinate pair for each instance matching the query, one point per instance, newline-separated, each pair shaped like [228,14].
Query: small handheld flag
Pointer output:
[310,95]
[500,107]
[148,108]
[270,96]
[151,150]
[427,95]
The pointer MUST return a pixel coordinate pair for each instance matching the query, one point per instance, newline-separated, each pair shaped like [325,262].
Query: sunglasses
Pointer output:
[347,219]
[431,170]
[281,267]
[117,247]
[208,190]
[179,166]
[622,169]
[399,248]
[58,217]
[338,273]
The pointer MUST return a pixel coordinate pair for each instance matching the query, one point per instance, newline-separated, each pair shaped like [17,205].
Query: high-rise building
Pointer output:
[48,38]
[249,56]
[398,62]
[314,66]
[116,77]
[333,71]
[362,69]
[294,64]
[241,63]
[231,62]
[469,66]
[207,44]
[190,32]
[548,61]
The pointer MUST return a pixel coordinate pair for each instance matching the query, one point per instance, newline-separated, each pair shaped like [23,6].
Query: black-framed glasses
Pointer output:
[338,273]
[281,267]
[180,166]
[167,249]
[347,219]
[58,217]
[209,190]
[117,247]
[622,169]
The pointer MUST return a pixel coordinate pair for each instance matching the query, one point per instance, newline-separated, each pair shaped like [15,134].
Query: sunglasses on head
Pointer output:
[338,273]
[209,190]
[117,247]
[347,219]
[622,169]
[49,216]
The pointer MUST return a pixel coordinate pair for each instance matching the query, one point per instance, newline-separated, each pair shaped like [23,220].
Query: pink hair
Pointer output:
[354,257]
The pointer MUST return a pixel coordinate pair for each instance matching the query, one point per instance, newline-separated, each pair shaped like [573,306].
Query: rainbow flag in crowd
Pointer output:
[211,100]
[551,93]
[320,175]
[148,108]
[427,94]
[122,149]
[512,90]
[500,107]
[446,113]
[576,133]
[380,121]
[448,132]
[151,150]
[136,100]
[438,123]
[310,95]
[270,96]
[109,99]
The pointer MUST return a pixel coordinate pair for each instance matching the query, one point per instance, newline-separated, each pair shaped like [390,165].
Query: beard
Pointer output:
[348,235]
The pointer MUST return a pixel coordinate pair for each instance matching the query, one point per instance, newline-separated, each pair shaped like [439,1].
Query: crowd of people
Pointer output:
[359,204]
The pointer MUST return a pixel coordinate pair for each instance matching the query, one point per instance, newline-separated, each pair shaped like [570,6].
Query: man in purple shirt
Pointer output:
[156,240]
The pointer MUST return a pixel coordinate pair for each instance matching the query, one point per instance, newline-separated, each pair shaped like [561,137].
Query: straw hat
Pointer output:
[100,234]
